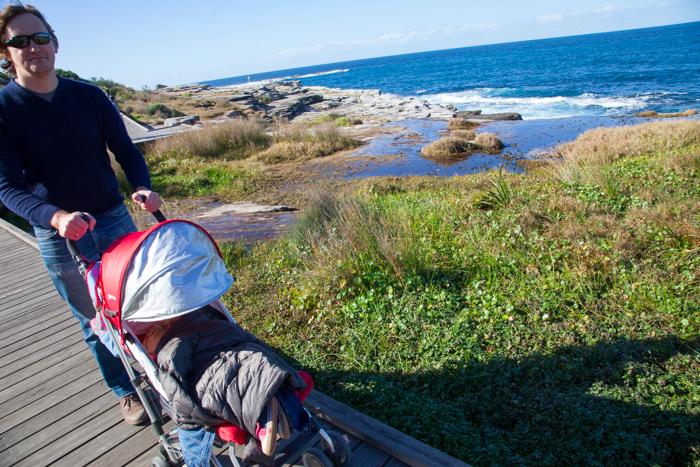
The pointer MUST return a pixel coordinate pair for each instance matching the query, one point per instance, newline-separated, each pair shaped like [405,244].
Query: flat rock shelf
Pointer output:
[56,410]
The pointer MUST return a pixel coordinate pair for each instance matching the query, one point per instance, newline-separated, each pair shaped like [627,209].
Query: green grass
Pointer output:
[558,324]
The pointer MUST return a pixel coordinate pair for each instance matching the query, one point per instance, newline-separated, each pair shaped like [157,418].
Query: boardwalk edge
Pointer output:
[379,435]
[19,233]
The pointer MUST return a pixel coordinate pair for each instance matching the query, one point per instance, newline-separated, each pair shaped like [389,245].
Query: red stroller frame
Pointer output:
[108,302]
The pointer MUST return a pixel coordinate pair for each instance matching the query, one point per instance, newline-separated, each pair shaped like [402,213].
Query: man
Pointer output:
[55,171]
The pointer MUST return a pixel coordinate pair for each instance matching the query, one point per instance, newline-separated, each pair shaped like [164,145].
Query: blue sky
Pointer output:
[148,42]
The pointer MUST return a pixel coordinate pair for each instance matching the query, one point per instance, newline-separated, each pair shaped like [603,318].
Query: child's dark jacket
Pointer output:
[214,372]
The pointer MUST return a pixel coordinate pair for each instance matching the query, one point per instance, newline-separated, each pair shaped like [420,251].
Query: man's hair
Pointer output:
[12,10]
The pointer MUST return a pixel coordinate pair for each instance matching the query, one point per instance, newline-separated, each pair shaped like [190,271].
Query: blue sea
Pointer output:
[595,75]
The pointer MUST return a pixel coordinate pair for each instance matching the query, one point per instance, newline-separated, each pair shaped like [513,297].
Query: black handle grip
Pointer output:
[81,261]
[158,215]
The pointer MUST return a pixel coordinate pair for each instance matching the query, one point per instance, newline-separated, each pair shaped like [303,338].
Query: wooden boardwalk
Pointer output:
[56,410]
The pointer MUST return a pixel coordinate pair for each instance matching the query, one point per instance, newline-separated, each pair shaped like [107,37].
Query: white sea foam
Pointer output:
[490,100]
[286,78]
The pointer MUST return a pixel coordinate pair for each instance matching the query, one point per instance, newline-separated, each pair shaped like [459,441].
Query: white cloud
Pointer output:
[389,39]
[562,16]
[550,18]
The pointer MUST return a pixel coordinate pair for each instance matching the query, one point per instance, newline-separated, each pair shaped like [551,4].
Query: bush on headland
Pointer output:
[449,148]
[299,141]
[539,319]
[461,144]
[469,135]
[461,124]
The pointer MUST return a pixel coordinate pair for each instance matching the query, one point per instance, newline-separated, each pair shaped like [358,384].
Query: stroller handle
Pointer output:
[81,261]
[157,214]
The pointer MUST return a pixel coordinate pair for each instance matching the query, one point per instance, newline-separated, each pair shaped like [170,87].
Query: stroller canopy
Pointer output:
[169,270]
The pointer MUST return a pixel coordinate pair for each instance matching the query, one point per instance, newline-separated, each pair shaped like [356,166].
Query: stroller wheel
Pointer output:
[159,462]
[313,457]
[343,453]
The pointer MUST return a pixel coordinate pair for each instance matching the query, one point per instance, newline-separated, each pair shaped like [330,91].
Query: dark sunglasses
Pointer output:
[20,42]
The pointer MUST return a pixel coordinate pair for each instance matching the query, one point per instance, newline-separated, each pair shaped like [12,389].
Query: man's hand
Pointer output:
[72,225]
[152,200]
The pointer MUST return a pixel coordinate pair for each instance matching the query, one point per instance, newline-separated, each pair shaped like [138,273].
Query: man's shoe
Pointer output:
[132,410]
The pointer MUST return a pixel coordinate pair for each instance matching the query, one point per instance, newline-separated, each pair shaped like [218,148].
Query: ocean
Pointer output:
[609,74]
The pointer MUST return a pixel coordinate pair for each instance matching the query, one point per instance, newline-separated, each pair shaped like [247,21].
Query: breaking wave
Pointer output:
[544,107]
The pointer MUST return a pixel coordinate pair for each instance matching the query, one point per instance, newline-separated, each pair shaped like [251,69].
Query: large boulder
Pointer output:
[501,116]
[187,120]
[289,107]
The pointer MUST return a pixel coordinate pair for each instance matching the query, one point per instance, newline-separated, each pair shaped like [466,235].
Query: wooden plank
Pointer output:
[15,373]
[137,450]
[30,304]
[394,462]
[379,435]
[117,434]
[11,264]
[8,353]
[36,293]
[18,277]
[12,267]
[292,453]
[22,268]
[24,320]
[75,440]
[13,245]
[19,362]
[367,455]
[22,441]
[11,418]
[37,308]
[36,386]
[43,330]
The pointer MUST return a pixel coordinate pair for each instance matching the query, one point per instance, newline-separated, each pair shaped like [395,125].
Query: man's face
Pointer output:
[34,60]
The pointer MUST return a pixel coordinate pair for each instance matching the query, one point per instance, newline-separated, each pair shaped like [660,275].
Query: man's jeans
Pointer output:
[72,288]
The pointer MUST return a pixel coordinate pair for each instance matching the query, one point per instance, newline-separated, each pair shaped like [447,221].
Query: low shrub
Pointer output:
[449,148]
[461,124]
[468,135]
[489,142]
[300,141]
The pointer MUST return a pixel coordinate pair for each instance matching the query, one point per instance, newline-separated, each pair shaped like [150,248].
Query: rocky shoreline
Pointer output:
[289,100]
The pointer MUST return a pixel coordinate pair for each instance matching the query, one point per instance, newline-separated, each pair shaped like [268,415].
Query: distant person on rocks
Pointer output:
[55,171]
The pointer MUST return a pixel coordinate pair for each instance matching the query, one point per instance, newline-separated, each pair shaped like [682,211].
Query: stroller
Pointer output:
[169,270]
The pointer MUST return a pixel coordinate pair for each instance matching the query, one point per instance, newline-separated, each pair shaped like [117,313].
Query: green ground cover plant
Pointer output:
[506,319]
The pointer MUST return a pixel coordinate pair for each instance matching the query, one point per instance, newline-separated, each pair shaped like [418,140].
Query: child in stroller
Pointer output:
[213,373]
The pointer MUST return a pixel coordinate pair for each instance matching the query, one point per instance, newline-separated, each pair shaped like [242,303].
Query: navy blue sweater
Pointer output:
[53,155]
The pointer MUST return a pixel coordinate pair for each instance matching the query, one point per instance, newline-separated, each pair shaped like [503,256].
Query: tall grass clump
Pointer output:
[236,139]
[346,235]
[300,141]
[583,161]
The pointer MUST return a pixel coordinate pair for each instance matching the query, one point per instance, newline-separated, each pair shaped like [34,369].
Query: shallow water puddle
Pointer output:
[232,226]
[523,139]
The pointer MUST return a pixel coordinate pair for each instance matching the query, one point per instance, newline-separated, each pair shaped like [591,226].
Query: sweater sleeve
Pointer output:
[125,151]
[14,191]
